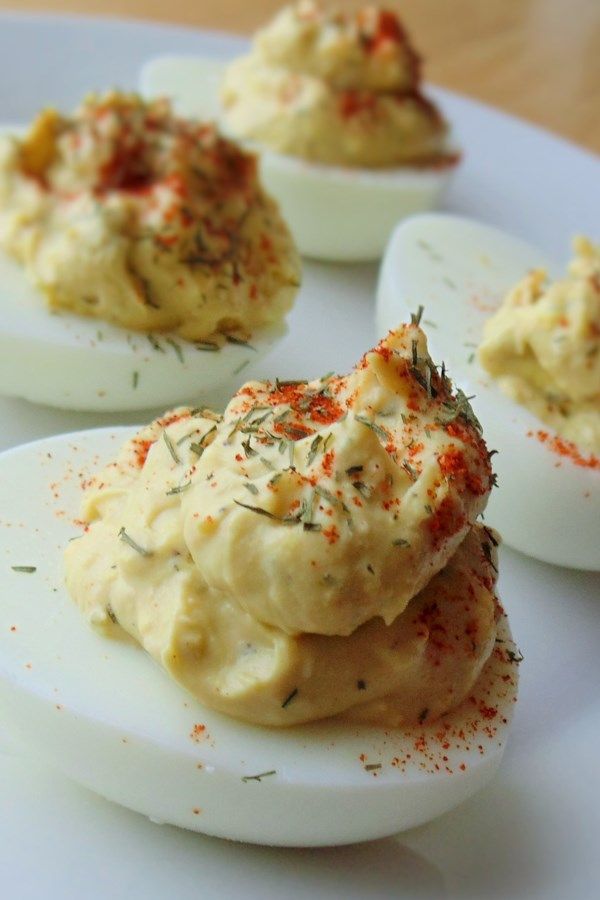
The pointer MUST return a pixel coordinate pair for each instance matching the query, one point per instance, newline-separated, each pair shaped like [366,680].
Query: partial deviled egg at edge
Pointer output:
[349,145]
[134,271]
[548,494]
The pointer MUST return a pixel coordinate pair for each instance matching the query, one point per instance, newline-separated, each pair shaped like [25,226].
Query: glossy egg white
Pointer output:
[335,213]
[105,714]
[72,362]
[460,270]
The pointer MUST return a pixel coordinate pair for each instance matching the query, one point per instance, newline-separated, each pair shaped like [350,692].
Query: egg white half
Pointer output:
[72,362]
[106,715]
[335,213]
[460,270]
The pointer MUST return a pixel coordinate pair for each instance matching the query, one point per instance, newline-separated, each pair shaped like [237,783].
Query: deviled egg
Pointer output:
[308,567]
[528,352]
[349,142]
[135,246]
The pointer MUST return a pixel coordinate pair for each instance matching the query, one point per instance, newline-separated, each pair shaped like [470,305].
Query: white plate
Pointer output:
[534,832]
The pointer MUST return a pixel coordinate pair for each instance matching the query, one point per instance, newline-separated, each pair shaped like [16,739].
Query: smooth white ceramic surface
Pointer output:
[545,505]
[335,214]
[533,832]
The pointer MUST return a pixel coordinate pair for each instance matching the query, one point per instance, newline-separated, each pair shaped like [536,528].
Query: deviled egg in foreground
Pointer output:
[310,559]
[528,350]
[132,217]
[333,100]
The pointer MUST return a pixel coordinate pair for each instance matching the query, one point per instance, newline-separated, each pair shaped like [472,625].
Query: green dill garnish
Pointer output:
[291,449]
[491,536]
[429,250]
[206,413]
[259,776]
[111,614]
[253,426]
[306,514]
[370,569]
[400,542]
[312,526]
[289,698]
[448,281]
[361,685]
[133,544]
[135,379]
[268,465]
[314,449]
[363,489]
[171,448]
[154,343]
[179,489]
[331,498]
[415,353]
[515,657]
[290,383]
[176,348]
[248,450]
[354,470]
[28,570]
[286,520]
[413,474]
[236,426]
[487,552]
[460,407]
[198,447]
[328,440]
[415,318]
[371,767]
[379,431]
[275,477]
[255,409]
[251,487]
[232,339]
[241,366]
[207,346]
[423,715]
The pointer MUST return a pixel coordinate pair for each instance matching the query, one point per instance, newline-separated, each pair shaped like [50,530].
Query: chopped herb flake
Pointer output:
[133,544]
[289,698]
[260,776]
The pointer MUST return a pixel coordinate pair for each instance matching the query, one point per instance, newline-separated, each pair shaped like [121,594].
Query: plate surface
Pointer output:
[533,832]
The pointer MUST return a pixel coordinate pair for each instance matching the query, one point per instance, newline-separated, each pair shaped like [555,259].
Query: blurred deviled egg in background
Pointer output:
[525,341]
[141,261]
[333,100]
